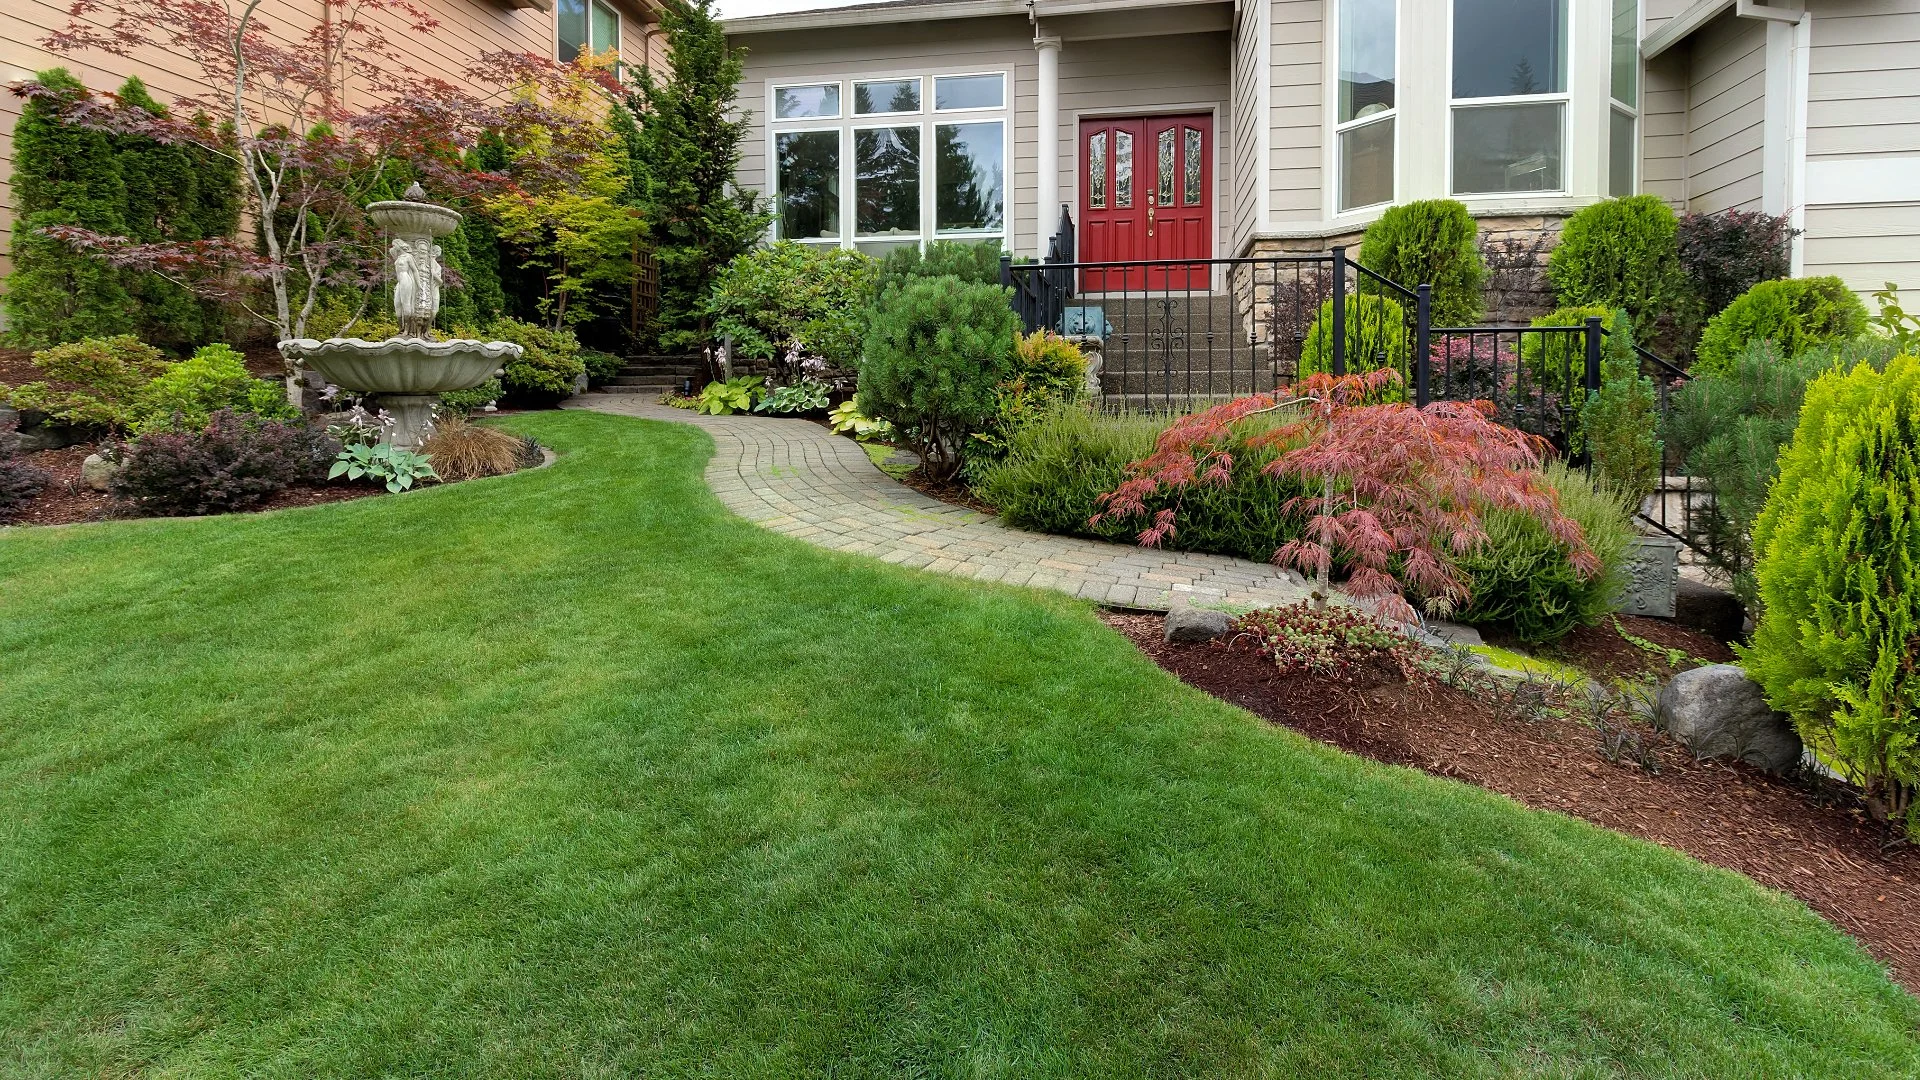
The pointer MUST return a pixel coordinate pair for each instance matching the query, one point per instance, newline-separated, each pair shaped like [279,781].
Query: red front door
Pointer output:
[1146,195]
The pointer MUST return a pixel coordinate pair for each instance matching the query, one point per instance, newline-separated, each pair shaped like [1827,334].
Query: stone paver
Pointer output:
[800,480]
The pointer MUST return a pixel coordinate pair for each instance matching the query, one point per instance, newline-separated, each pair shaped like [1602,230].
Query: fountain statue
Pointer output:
[407,374]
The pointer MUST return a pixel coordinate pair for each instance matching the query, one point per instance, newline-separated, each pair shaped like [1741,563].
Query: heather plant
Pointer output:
[1839,579]
[1376,332]
[1620,253]
[936,352]
[1795,314]
[233,463]
[94,381]
[1727,253]
[1431,242]
[1395,493]
[1523,579]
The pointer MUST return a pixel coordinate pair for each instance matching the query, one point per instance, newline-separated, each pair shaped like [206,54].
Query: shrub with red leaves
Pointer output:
[234,463]
[1398,490]
[19,481]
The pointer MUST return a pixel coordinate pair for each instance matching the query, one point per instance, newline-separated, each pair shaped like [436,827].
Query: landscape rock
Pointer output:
[97,473]
[1716,711]
[1709,610]
[1453,633]
[1192,624]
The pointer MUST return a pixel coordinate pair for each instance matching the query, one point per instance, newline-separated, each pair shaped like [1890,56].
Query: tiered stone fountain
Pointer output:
[407,374]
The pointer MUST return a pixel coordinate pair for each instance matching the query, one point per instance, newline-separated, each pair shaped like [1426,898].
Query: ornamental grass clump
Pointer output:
[1395,495]
[460,450]
[1837,645]
[1523,579]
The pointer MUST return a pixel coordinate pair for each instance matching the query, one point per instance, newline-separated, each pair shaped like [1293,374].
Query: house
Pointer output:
[1199,129]
[468,30]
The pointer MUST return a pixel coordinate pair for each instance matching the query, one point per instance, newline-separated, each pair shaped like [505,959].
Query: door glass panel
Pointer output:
[1168,152]
[969,166]
[886,96]
[1192,194]
[1097,171]
[809,181]
[886,181]
[1123,169]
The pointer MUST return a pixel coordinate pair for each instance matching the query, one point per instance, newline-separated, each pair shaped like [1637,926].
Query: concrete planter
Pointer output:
[1652,578]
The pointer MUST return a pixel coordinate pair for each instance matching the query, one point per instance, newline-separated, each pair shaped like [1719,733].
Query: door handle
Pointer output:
[1149,215]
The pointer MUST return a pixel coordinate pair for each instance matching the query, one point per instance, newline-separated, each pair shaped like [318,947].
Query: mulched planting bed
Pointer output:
[1604,652]
[1786,834]
[66,502]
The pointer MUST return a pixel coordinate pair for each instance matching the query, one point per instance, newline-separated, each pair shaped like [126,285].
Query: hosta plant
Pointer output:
[383,463]
[807,395]
[847,419]
[736,395]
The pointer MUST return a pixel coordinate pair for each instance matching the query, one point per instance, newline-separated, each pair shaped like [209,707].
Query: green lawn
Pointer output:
[573,774]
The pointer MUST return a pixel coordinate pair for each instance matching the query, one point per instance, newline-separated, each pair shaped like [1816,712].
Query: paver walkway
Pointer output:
[801,480]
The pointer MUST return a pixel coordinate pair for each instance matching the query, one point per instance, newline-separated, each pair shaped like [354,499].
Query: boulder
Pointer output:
[1709,610]
[1192,624]
[1453,633]
[1716,711]
[97,473]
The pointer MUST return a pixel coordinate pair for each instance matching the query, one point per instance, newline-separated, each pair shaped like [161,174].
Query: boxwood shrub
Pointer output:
[1795,314]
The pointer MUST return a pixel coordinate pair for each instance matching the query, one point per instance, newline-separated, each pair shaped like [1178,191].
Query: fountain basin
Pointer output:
[407,375]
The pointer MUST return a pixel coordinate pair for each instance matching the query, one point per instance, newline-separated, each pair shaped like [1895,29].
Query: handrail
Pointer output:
[1149,264]
[1394,285]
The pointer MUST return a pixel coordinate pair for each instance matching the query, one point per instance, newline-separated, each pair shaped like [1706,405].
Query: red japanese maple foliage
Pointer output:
[308,162]
[1401,489]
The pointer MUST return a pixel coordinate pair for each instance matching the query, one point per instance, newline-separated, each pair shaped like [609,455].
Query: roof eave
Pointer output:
[911,13]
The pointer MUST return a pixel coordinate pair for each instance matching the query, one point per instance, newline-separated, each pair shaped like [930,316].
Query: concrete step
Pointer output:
[650,380]
[678,371]
[611,389]
[1227,383]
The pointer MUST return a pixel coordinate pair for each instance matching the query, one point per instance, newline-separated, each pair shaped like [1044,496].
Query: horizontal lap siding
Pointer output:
[1863,104]
[1250,139]
[999,44]
[1725,115]
[1124,76]
[1298,111]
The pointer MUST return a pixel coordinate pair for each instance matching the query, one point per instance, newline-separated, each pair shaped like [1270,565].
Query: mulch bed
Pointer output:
[66,502]
[948,491]
[1784,833]
[1603,651]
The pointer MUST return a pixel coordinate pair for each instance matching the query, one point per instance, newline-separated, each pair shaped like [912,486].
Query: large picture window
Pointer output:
[1509,93]
[1364,121]
[926,154]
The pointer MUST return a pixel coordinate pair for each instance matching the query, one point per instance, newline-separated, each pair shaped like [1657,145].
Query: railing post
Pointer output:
[1422,335]
[1006,271]
[1340,311]
[1594,334]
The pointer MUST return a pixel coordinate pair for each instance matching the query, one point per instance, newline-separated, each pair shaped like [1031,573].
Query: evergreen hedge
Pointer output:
[1431,242]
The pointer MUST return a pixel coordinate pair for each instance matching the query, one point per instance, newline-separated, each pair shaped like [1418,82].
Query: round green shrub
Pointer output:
[467,402]
[1521,579]
[1839,577]
[936,352]
[94,381]
[1377,336]
[547,369]
[788,294]
[976,262]
[1551,358]
[1620,253]
[215,377]
[1795,314]
[1431,242]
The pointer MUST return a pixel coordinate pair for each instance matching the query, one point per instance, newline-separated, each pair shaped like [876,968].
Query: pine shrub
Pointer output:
[1795,314]
[976,262]
[1620,253]
[214,378]
[1431,242]
[63,174]
[1839,578]
[1727,253]
[1523,580]
[1377,336]
[936,352]
[234,462]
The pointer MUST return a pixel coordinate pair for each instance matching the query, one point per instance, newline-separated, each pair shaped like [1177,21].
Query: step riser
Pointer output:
[1218,384]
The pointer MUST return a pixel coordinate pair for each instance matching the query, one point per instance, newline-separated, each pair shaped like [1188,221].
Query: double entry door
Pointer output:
[1146,195]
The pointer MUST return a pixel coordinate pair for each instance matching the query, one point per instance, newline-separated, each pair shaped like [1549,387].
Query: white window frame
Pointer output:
[1564,98]
[1632,110]
[1339,127]
[928,119]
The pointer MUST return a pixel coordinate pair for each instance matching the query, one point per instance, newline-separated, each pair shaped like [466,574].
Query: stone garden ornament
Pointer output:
[407,373]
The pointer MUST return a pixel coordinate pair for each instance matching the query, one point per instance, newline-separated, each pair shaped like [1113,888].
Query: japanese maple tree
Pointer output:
[307,160]
[1398,490]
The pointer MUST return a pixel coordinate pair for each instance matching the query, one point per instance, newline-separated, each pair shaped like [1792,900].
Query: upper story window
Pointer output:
[1623,113]
[1365,102]
[585,26]
[909,158]
[1509,96]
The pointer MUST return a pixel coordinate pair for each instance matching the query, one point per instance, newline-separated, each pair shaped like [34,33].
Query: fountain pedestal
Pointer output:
[408,373]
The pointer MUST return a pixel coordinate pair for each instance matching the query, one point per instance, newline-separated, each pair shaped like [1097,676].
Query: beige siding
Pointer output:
[1250,139]
[1655,13]
[1298,111]
[1863,80]
[1865,246]
[1725,112]
[1663,128]
[468,29]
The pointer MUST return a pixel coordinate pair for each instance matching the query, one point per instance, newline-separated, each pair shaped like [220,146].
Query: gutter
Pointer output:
[869,15]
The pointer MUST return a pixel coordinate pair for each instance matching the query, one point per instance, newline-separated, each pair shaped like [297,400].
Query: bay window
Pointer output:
[1364,120]
[1509,96]
[926,159]
[1623,112]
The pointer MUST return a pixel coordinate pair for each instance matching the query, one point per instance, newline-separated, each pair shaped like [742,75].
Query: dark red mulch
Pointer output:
[66,502]
[1779,832]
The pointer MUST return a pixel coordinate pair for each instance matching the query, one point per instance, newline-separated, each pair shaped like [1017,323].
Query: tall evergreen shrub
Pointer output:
[1839,578]
[690,143]
[1376,332]
[1431,242]
[1796,314]
[936,352]
[163,202]
[1621,253]
[63,174]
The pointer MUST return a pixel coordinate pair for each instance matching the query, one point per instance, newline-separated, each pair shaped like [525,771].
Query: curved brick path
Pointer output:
[799,479]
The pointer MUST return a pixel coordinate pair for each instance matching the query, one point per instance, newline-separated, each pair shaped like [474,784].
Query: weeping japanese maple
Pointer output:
[1396,492]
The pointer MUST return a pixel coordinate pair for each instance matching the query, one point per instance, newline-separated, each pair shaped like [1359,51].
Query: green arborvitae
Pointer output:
[691,137]
[63,175]
[473,251]
[1430,242]
[1621,253]
[519,280]
[162,183]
